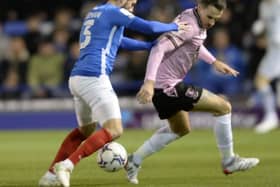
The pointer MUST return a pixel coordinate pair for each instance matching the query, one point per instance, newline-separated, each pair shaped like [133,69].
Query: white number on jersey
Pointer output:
[88,24]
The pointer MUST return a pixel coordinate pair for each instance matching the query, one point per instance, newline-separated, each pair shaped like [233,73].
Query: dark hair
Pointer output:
[219,4]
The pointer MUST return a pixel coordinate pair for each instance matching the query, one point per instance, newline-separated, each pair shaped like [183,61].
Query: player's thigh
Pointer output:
[108,107]
[210,102]
[95,99]
[180,123]
[106,111]
[102,100]
[83,112]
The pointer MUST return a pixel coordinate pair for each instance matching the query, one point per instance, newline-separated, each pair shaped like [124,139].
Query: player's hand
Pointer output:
[146,92]
[183,26]
[224,68]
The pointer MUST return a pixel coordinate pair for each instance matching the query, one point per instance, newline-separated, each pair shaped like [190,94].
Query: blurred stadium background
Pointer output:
[38,47]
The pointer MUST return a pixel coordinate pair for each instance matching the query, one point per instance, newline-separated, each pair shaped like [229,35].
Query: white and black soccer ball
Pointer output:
[112,157]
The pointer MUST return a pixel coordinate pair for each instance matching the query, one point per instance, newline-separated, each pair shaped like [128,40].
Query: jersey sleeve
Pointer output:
[157,53]
[151,27]
[205,55]
[132,44]
[180,37]
[120,16]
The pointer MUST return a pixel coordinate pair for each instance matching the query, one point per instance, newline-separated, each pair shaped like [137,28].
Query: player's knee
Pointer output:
[114,127]
[118,132]
[228,107]
[225,109]
[87,130]
[115,132]
[261,81]
[184,132]
[181,131]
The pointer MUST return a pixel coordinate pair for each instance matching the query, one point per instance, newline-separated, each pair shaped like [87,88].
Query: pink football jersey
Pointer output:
[175,53]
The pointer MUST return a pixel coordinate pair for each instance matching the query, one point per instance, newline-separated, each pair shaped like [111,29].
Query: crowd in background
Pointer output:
[39,48]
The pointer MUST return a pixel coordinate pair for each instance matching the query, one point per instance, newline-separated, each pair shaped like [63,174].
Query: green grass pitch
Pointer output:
[192,161]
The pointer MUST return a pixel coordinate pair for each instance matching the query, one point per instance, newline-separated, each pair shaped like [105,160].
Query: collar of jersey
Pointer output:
[195,12]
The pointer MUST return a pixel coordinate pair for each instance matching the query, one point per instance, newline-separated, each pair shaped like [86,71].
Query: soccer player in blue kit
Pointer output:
[94,98]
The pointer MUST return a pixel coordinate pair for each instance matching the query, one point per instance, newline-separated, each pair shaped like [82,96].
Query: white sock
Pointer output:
[268,100]
[69,164]
[158,141]
[223,134]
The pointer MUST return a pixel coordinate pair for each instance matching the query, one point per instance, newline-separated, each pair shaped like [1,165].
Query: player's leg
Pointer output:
[69,145]
[267,71]
[221,109]
[172,107]
[72,141]
[105,109]
[104,105]
[78,135]
[270,119]
[179,126]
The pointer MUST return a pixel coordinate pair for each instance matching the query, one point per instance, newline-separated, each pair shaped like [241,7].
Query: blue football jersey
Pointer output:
[100,38]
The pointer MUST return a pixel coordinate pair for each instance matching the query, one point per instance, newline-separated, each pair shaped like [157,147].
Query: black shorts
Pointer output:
[183,99]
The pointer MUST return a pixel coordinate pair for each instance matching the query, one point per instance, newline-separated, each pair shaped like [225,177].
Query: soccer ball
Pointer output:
[112,157]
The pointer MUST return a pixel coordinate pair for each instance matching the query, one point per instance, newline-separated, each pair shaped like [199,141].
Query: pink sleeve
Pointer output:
[205,55]
[156,56]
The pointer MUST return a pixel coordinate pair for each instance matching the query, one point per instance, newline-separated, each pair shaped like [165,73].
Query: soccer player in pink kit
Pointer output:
[169,61]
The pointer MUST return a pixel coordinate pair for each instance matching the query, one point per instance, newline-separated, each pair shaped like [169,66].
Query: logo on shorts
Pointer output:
[192,93]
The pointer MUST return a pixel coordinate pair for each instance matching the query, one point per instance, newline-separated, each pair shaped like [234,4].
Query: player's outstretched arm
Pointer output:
[133,45]
[122,17]
[155,27]
[224,68]
[205,55]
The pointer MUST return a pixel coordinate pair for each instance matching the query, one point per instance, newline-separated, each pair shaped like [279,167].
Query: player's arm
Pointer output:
[224,68]
[157,53]
[122,17]
[163,46]
[151,27]
[220,66]
[205,55]
[132,44]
